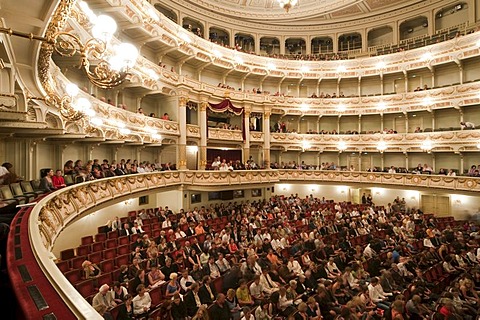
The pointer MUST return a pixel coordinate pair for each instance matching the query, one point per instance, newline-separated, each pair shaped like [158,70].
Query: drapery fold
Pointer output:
[227,105]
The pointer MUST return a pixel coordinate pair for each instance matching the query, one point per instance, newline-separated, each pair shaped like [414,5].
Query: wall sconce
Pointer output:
[128,202]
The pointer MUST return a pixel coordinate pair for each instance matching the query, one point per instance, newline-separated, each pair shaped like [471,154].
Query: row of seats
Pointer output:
[21,192]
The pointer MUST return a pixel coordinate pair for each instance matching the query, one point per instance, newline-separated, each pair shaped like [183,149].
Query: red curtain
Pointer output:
[226,105]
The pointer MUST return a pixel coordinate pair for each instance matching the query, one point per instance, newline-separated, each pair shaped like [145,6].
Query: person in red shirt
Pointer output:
[57,180]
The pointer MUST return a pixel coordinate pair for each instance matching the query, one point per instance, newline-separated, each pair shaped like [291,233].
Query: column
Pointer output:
[462,163]
[364,40]
[406,122]
[433,162]
[406,160]
[246,127]
[182,140]
[359,123]
[433,119]
[308,45]
[335,43]
[282,45]
[395,36]
[266,138]
[206,31]
[257,43]
[203,136]
[381,122]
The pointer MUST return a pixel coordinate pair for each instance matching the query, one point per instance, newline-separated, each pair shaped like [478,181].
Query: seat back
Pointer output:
[16,189]
[36,184]
[27,187]
[6,192]
[68,179]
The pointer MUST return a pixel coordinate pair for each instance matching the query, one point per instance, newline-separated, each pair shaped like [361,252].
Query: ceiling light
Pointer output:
[156,136]
[304,69]
[381,146]
[90,112]
[82,104]
[342,146]
[96,121]
[304,107]
[427,145]
[185,37]
[104,28]
[381,106]
[341,68]
[217,53]
[287,4]
[72,89]
[381,65]
[150,130]
[125,131]
[427,56]
[271,66]
[306,145]
[427,101]
[341,108]
[238,59]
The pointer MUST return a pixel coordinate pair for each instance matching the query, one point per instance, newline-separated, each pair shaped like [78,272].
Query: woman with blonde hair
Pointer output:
[202,314]
[91,269]
[232,304]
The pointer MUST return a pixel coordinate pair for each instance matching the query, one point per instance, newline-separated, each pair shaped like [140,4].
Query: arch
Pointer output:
[323,44]
[449,17]
[193,26]
[413,28]
[245,42]
[380,36]
[219,36]
[349,41]
[295,46]
[269,45]
[170,14]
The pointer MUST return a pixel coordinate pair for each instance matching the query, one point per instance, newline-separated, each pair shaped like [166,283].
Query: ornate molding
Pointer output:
[223,134]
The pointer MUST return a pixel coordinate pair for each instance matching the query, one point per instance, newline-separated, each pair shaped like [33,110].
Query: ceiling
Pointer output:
[305,12]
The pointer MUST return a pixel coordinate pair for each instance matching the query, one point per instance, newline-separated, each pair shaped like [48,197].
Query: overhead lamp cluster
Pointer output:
[104,66]
[287,4]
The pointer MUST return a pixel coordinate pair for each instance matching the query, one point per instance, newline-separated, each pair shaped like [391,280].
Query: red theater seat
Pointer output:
[85,288]
[109,253]
[97,246]
[64,266]
[74,276]
[77,262]
[95,257]
[123,240]
[84,250]
[111,243]
[107,265]
[87,240]
[100,237]
[67,254]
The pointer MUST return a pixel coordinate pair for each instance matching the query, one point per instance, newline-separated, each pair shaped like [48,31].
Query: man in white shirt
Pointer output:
[3,174]
[268,285]
[377,295]
[137,229]
[294,267]
[216,163]
[368,252]
[142,301]
[467,125]
[256,290]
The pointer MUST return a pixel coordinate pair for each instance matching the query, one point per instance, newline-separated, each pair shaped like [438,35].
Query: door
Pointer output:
[438,205]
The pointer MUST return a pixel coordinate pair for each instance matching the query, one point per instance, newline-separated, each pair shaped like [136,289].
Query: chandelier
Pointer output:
[105,65]
[287,4]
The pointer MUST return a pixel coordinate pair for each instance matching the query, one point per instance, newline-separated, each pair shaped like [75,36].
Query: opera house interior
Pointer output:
[228,160]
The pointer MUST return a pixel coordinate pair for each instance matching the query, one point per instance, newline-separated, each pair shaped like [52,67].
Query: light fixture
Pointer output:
[93,53]
[381,65]
[427,145]
[96,121]
[341,108]
[427,56]
[342,146]
[287,4]
[478,146]
[238,59]
[153,14]
[125,131]
[427,101]
[150,130]
[271,66]
[185,37]
[341,68]
[217,53]
[304,69]
[304,107]
[156,136]
[381,106]
[382,146]
[306,145]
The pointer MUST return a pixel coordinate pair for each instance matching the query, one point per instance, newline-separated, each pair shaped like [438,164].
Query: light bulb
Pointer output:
[128,53]
[96,121]
[72,89]
[125,131]
[104,28]
[82,104]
